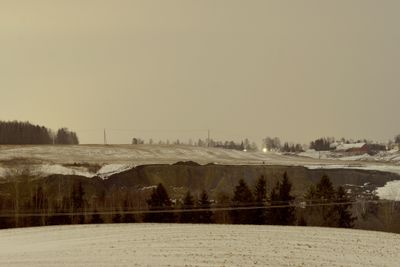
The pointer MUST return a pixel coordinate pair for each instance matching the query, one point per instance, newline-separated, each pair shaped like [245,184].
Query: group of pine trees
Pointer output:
[161,208]
[293,148]
[322,144]
[25,133]
[257,207]
[245,144]
[274,144]
[325,206]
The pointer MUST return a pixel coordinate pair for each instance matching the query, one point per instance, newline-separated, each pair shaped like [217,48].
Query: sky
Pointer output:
[173,69]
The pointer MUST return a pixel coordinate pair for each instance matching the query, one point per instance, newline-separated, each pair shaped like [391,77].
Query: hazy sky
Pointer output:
[294,69]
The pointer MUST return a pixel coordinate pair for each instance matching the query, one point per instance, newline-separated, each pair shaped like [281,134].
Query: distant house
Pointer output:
[355,149]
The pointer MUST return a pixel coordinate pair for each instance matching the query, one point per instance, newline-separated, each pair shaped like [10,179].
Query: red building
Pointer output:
[354,149]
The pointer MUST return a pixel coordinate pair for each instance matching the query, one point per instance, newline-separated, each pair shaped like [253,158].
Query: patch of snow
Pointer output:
[110,169]
[391,191]
[349,146]
[357,157]
[311,153]
[382,168]
[148,188]
[117,158]
[48,169]
[331,166]
[392,156]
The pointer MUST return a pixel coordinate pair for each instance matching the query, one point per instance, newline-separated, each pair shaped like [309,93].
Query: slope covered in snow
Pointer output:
[391,156]
[47,159]
[391,191]
[196,245]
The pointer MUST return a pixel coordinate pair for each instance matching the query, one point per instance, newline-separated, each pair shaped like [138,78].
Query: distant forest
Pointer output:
[25,133]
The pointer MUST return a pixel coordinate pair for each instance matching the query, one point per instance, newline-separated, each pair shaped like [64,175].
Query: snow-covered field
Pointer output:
[391,156]
[196,245]
[49,159]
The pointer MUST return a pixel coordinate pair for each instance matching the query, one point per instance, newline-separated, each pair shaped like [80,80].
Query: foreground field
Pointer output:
[196,245]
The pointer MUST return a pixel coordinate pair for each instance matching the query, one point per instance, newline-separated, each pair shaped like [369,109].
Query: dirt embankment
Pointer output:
[215,179]
[223,178]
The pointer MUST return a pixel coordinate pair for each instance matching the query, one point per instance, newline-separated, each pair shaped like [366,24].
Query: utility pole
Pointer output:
[105,137]
[208,138]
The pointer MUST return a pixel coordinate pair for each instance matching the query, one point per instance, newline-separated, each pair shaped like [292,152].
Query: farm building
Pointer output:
[356,148]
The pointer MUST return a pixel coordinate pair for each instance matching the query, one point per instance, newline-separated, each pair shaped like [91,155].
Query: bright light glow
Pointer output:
[265,150]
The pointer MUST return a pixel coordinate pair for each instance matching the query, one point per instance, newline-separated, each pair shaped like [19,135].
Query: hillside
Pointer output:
[103,161]
[147,165]
[196,245]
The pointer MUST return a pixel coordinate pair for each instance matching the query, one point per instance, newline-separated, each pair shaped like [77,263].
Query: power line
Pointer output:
[161,210]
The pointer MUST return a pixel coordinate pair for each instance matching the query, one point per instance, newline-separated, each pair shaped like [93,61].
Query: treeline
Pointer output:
[322,144]
[274,144]
[244,145]
[30,203]
[329,143]
[25,133]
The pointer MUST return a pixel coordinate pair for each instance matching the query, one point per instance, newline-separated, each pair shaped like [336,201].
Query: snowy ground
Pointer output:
[115,158]
[196,245]
[391,156]
[390,191]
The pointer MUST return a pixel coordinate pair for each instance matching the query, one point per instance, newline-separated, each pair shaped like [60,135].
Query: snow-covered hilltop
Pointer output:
[100,160]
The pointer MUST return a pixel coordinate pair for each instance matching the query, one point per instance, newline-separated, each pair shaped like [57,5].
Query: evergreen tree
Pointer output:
[204,203]
[325,190]
[345,219]
[242,199]
[322,194]
[326,194]
[159,201]
[397,139]
[281,196]
[188,204]
[260,215]
[66,137]
[285,147]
